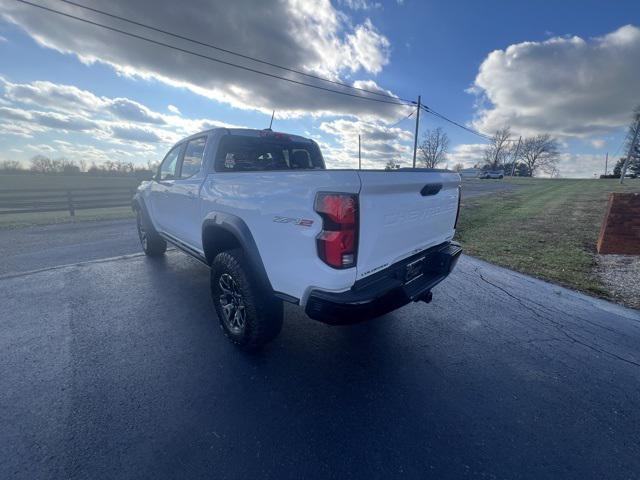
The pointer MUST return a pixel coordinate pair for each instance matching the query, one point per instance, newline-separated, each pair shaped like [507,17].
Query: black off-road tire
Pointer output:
[153,244]
[234,289]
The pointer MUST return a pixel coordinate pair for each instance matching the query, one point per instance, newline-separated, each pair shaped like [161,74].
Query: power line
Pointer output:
[402,119]
[213,59]
[619,147]
[470,130]
[231,52]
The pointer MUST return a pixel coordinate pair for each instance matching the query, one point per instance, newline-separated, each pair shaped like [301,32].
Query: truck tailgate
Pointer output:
[402,213]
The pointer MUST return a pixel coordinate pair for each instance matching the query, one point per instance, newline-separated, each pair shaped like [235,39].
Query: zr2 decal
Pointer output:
[301,222]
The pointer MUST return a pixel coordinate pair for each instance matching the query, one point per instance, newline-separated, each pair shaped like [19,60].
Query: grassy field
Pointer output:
[49,218]
[546,227]
[20,182]
[23,182]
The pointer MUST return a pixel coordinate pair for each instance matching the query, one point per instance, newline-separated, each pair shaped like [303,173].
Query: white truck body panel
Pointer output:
[288,251]
[396,221]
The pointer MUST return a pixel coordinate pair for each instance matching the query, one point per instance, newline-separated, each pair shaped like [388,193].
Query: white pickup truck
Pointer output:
[274,225]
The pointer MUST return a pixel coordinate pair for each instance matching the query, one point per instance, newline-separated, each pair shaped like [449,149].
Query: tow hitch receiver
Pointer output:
[426,297]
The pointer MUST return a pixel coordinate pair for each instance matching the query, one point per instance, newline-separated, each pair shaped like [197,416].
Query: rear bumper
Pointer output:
[386,290]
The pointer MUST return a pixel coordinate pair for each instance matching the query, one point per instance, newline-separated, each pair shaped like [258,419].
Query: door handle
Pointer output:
[430,189]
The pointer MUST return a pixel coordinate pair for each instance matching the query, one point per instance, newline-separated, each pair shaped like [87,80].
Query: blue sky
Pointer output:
[564,68]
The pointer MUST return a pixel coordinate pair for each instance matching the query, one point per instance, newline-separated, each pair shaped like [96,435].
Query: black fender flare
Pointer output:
[137,203]
[239,229]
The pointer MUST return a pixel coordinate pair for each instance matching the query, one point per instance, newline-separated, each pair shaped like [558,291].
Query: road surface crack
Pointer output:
[558,326]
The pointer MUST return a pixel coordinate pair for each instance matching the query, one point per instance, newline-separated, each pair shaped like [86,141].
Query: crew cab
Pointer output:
[273,224]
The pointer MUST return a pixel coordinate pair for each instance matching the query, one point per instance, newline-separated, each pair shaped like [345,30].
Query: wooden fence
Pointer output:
[56,199]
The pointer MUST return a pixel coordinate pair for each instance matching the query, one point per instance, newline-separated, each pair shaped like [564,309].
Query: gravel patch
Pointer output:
[620,274]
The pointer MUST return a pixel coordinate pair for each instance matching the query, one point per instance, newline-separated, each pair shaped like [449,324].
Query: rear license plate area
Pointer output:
[414,269]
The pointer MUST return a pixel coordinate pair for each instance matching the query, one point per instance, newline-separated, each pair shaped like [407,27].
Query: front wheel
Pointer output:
[249,316]
[152,243]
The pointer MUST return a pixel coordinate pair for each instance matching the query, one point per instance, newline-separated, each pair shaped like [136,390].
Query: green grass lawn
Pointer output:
[49,218]
[546,227]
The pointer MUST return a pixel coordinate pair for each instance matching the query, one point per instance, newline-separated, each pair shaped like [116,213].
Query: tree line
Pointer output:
[42,164]
[631,163]
[539,153]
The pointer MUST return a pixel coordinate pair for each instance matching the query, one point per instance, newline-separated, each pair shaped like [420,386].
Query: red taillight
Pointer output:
[338,241]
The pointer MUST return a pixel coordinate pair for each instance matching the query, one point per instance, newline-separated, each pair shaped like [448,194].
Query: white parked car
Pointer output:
[274,225]
[495,174]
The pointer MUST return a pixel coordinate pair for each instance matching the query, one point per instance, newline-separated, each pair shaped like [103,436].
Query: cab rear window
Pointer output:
[243,153]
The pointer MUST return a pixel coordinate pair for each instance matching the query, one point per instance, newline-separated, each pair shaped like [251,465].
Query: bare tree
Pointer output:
[498,151]
[540,153]
[632,143]
[391,165]
[458,167]
[41,164]
[10,166]
[434,146]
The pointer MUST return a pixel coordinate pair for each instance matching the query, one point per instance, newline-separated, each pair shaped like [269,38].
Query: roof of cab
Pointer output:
[248,132]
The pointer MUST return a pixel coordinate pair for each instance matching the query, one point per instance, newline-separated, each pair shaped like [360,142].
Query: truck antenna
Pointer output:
[271,122]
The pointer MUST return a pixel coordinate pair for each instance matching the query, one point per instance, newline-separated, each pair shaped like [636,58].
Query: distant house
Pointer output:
[469,172]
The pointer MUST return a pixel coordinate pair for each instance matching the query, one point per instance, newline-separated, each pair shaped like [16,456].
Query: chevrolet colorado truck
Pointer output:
[273,224]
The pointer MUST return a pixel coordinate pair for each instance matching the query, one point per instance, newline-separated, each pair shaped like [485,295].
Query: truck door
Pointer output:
[162,182]
[183,196]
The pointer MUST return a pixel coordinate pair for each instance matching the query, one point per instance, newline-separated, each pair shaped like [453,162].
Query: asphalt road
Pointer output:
[117,369]
[44,246]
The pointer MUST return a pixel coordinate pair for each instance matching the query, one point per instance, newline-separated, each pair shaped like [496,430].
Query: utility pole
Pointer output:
[415,137]
[632,148]
[359,155]
[606,164]
[515,156]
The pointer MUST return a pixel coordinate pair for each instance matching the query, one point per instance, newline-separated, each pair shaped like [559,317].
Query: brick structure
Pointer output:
[620,232]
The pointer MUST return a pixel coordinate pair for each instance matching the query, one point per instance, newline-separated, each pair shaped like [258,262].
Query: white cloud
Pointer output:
[318,39]
[71,99]
[135,134]
[566,86]
[597,143]
[67,102]
[360,4]
[174,109]
[468,154]
[3,39]
[582,165]
[66,98]
[110,125]
[38,120]
[368,47]
[379,143]
[129,110]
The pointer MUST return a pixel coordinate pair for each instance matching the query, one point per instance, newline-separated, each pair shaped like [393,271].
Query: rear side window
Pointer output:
[169,164]
[243,153]
[193,155]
